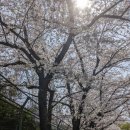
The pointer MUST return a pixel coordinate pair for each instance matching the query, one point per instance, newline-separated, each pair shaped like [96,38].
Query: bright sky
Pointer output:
[82,4]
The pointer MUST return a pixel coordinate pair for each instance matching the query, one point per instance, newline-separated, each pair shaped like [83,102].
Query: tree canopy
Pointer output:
[70,65]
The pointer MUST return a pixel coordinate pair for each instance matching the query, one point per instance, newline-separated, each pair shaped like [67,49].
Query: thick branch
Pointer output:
[116,17]
[65,48]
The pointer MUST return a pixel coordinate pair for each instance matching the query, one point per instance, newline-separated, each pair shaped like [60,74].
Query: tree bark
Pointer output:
[76,124]
[42,97]
[50,109]
[76,121]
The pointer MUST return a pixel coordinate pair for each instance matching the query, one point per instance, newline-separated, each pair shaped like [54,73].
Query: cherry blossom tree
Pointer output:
[44,43]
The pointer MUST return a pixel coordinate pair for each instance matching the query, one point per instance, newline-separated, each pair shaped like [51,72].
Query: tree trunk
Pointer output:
[76,124]
[42,97]
[50,109]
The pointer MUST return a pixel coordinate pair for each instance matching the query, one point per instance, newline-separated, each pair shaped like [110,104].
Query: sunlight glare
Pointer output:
[82,4]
